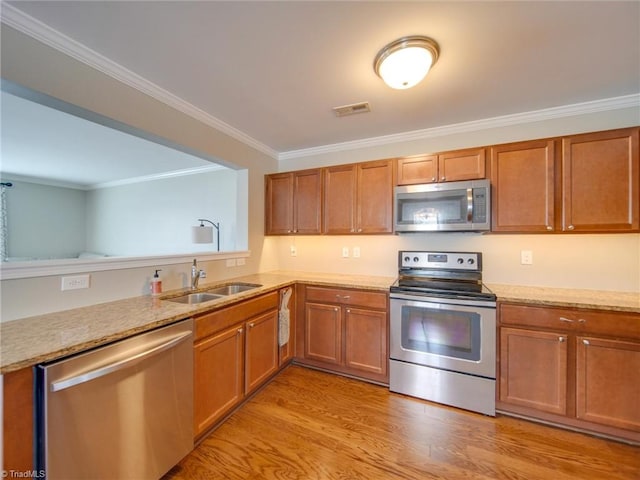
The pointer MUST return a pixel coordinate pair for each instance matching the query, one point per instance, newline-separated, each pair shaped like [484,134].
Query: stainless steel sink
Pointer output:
[194,298]
[233,288]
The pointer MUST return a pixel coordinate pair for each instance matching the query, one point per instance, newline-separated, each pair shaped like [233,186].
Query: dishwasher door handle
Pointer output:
[118,365]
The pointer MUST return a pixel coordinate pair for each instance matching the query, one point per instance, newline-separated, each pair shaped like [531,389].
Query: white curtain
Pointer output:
[4,233]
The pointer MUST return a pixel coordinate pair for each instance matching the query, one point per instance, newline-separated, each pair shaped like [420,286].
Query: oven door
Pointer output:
[443,334]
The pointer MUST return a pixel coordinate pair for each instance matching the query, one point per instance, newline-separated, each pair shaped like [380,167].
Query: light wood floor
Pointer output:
[312,425]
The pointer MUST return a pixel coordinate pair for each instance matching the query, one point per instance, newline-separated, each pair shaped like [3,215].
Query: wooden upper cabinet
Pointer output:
[466,164]
[358,198]
[469,164]
[374,201]
[417,169]
[522,177]
[340,199]
[293,203]
[600,182]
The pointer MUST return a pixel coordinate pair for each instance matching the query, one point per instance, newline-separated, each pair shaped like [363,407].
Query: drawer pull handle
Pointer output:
[561,339]
[586,342]
[344,297]
[582,320]
[563,319]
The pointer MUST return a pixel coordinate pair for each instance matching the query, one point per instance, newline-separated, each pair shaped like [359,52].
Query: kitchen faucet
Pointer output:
[195,275]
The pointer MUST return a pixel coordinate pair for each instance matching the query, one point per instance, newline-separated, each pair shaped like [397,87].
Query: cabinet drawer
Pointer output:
[347,297]
[612,324]
[538,317]
[216,320]
[607,323]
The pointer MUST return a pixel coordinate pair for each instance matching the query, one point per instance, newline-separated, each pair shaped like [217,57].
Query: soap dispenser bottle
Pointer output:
[156,284]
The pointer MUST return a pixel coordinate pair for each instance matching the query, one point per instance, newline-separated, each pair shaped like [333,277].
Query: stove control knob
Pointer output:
[406,259]
[460,261]
[471,261]
[416,259]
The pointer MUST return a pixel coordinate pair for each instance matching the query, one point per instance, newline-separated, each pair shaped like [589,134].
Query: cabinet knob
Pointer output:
[549,227]
[443,178]
[295,231]
[570,227]
[359,230]
[586,342]
[335,309]
[563,319]
[433,179]
[561,339]
[582,320]
[288,231]
[348,310]
[251,325]
[239,331]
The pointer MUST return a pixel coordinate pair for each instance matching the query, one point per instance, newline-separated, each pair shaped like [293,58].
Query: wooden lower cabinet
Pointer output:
[218,375]
[608,382]
[261,350]
[534,369]
[235,352]
[572,367]
[344,331]
[18,421]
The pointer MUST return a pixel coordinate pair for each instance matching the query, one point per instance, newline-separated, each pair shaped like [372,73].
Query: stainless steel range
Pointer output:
[443,330]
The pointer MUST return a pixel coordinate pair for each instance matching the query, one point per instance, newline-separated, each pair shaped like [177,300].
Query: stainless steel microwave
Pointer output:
[441,207]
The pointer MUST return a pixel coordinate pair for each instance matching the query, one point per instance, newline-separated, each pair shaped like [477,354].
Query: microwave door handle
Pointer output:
[469,205]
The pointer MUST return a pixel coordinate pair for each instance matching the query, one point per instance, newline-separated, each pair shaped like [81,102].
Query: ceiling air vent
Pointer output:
[343,111]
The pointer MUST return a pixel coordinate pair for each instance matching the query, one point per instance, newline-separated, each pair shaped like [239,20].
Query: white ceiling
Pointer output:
[274,70]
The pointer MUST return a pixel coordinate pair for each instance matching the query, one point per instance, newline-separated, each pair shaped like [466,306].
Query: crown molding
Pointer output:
[607,104]
[28,25]
[34,28]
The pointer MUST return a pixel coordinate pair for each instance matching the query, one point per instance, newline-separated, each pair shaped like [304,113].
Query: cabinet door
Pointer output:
[261,357]
[416,170]
[307,202]
[323,333]
[467,164]
[278,204]
[522,176]
[339,199]
[366,341]
[600,182]
[218,375]
[18,421]
[608,382]
[533,369]
[374,201]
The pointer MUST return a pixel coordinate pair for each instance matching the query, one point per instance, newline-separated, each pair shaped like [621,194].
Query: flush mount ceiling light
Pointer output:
[405,62]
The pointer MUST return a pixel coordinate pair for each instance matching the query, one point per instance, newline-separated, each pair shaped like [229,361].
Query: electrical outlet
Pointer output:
[203,274]
[76,282]
[231,262]
[356,252]
[345,252]
[526,257]
[294,251]
[240,261]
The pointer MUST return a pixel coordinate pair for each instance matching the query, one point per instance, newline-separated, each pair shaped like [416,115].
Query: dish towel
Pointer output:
[283,317]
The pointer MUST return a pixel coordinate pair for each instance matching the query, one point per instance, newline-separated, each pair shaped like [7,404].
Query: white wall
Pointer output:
[155,217]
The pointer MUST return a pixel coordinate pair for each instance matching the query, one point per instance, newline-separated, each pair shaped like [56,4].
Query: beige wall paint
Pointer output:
[559,260]
[41,68]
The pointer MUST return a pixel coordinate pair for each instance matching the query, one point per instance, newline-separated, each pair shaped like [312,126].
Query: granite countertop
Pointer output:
[42,338]
[567,297]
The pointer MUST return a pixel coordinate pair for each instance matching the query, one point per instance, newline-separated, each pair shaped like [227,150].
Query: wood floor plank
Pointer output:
[312,425]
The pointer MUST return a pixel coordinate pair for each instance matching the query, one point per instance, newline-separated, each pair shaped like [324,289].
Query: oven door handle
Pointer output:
[469,205]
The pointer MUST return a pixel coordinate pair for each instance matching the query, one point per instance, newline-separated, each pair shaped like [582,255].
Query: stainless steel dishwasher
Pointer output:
[123,411]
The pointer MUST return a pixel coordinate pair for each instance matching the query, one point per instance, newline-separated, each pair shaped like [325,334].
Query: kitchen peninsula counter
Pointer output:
[43,338]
